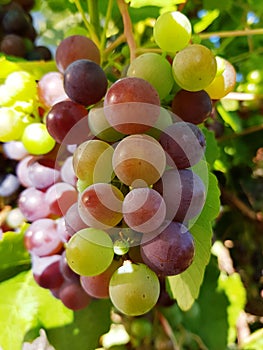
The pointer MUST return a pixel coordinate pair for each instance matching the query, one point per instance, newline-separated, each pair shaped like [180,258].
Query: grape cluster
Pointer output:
[110,189]
[17,32]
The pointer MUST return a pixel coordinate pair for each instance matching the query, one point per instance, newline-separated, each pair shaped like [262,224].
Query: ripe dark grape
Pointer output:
[192,106]
[15,21]
[46,271]
[63,122]
[171,252]
[39,53]
[183,192]
[184,143]
[74,48]
[73,295]
[13,45]
[85,82]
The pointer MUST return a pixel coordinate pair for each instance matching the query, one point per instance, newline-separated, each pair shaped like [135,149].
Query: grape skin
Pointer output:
[134,289]
[144,209]
[171,252]
[85,82]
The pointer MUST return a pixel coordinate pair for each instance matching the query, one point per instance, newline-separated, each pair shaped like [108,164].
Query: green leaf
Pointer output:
[205,21]
[159,3]
[23,305]
[185,286]
[14,257]
[254,341]
[84,333]
[212,149]
[208,317]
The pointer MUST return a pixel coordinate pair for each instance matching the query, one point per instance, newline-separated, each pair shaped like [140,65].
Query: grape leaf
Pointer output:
[159,3]
[209,323]
[14,257]
[84,333]
[185,286]
[24,304]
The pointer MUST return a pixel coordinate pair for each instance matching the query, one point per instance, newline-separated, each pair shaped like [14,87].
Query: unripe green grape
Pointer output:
[89,252]
[21,86]
[155,69]
[194,67]
[172,31]
[134,289]
[11,124]
[37,140]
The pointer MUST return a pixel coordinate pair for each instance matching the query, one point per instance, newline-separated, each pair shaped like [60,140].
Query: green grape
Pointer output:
[163,121]
[155,69]
[141,327]
[11,124]
[100,127]
[224,81]
[134,289]
[92,161]
[172,31]
[21,86]
[37,140]
[89,252]
[121,247]
[194,67]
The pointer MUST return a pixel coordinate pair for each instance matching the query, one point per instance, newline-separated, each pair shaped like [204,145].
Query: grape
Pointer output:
[89,252]
[194,67]
[98,286]
[164,120]
[67,172]
[92,161]
[139,160]
[15,21]
[22,171]
[11,124]
[73,220]
[15,218]
[100,205]
[50,89]
[100,126]
[132,105]
[21,86]
[8,185]
[60,197]
[67,122]
[42,176]
[134,289]
[37,140]
[73,296]
[141,328]
[26,4]
[144,209]
[68,274]
[171,252]
[172,31]
[85,82]
[155,69]
[192,106]
[13,45]
[33,204]
[39,53]
[223,83]
[184,143]
[42,238]
[14,150]
[183,192]
[46,271]
[73,48]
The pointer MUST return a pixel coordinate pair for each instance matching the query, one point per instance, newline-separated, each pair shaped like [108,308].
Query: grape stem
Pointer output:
[127,23]
[235,202]
[232,33]
[167,329]
[94,15]
[106,24]
[88,25]
[247,131]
